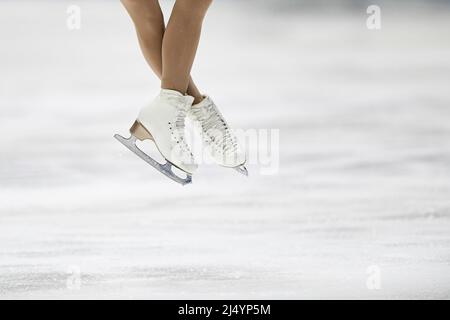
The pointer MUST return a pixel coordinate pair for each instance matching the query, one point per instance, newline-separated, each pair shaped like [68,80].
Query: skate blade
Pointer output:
[242,170]
[165,169]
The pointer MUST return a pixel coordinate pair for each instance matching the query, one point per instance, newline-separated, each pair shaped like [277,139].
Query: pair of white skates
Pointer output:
[163,122]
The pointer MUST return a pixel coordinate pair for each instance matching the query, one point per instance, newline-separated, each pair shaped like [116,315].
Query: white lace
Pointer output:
[215,128]
[177,129]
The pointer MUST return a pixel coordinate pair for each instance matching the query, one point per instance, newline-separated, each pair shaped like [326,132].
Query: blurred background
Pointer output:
[360,205]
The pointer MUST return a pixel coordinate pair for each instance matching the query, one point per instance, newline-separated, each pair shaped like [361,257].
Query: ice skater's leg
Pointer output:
[149,23]
[180,43]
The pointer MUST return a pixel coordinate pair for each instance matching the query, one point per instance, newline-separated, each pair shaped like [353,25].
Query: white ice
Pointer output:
[360,206]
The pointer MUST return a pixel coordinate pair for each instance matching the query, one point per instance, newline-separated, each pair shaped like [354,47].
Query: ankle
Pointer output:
[167,85]
[198,99]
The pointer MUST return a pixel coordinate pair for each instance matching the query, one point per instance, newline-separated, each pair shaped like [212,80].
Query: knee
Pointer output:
[194,8]
[143,9]
[133,3]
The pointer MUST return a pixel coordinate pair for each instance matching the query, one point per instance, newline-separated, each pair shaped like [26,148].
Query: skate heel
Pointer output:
[139,131]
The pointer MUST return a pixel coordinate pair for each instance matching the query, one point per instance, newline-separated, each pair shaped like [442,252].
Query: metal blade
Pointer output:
[165,169]
[242,170]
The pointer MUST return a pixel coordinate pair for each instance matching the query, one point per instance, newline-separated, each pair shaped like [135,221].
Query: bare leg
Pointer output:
[149,23]
[181,41]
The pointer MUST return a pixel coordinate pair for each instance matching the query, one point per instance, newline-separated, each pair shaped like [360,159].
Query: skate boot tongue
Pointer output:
[187,100]
[169,92]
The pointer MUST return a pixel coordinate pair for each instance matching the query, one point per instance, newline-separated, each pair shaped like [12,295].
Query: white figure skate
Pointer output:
[163,122]
[217,135]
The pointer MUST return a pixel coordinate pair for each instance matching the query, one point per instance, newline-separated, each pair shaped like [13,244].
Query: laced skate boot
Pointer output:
[218,137]
[162,121]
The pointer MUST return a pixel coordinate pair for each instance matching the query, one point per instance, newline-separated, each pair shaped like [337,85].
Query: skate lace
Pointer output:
[178,128]
[215,128]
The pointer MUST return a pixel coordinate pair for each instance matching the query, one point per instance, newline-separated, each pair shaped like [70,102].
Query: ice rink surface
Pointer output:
[360,205]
